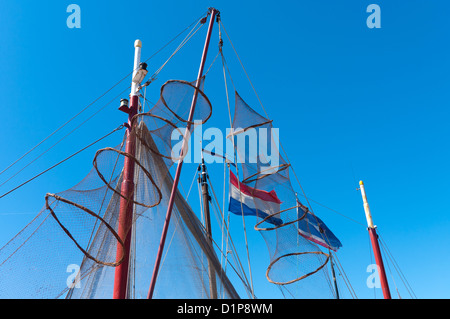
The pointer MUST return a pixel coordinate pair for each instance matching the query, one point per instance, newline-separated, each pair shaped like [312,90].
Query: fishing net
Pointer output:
[70,250]
[296,264]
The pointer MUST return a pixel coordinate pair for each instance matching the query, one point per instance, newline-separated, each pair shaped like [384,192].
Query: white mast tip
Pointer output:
[138,43]
[361,183]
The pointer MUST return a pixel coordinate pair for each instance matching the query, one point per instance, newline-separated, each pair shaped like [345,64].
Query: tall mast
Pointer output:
[206,198]
[375,246]
[127,187]
[213,13]
[334,275]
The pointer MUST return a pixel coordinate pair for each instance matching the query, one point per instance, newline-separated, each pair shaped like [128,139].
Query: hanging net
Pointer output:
[296,264]
[70,250]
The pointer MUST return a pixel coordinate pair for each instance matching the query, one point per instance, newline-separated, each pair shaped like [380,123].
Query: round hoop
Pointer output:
[302,277]
[250,178]
[196,88]
[119,240]
[151,148]
[281,225]
[136,162]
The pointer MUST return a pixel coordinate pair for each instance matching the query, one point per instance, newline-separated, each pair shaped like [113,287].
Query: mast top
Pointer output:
[138,43]
[366,206]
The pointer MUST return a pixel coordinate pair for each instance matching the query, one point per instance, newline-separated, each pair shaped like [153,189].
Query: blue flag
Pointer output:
[313,228]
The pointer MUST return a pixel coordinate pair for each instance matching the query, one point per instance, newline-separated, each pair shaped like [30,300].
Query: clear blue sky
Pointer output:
[351,103]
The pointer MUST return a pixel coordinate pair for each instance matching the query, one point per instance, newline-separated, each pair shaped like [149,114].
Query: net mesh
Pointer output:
[296,264]
[70,249]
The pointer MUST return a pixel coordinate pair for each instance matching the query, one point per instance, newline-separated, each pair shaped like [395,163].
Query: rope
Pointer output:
[265,112]
[64,137]
[383,251]
[106,191]
[246,283]
[223,216]
[192,183]
[226,156]
[58,129]
[174,38]
[89,105]
[371,262]
[185,40]
[344,277]
[59,163]
[266,218]
[237,169]
[226,225]
[397,268]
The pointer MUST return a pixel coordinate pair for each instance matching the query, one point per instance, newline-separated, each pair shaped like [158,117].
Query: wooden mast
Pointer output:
[375,246]
[334,275]
[206,199]
[127,187]
[213,13]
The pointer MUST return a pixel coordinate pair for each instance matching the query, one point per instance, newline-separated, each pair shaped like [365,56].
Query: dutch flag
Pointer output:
[254,202]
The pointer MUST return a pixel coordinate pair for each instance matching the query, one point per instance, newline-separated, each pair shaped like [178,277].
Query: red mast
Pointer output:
[127,187]
[375,245]
[213,13]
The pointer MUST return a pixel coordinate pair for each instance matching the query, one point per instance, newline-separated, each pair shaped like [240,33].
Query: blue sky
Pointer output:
[351,103]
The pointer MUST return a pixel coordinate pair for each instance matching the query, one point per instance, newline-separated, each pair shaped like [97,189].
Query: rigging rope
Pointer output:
[89,105]
[265,112]
[371,262]
[223,217]
[185,40]
[59,163]
[344,277]
[285,153]
[226,225]
[64,137]
[237,169]
[226,158]
[397,268]
[383,252]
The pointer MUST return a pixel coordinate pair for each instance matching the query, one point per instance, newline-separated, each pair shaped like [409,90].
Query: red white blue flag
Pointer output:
[314,229]
[254,202]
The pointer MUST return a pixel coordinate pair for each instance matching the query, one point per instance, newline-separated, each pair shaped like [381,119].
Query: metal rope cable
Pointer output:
[265,112]
[296,177]
[218,208]
[58,129]
[346,280]
[60,162]
[237,169]
[64,137]
[397,268]
[383,252]
[246,283]
[187,38]
[309,198]
[224,238]
[344,277]
[371,263]
[96,223]
[173,39]
[93,102]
